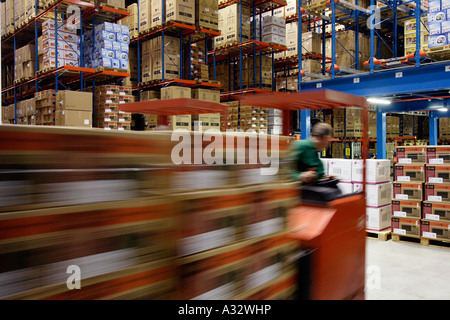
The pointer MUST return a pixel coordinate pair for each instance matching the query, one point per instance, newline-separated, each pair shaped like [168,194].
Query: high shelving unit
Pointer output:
[64,77]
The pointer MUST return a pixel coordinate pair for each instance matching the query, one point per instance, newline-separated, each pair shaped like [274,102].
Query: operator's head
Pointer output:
[321,134]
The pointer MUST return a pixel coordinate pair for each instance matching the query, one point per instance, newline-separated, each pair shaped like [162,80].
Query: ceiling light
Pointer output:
[443,109]
[378,101]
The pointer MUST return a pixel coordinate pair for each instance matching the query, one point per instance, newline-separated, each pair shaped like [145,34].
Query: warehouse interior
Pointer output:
[111,160]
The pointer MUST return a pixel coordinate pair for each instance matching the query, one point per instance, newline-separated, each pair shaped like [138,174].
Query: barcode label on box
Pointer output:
[404,160]
[402,197]
[432,217]
[431,235]
[400,231]
[436,180]
[437,161]
[400,214]
[435,198]
[403,178]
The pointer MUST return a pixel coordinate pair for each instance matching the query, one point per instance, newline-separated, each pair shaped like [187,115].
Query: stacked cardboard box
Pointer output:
[180,122]
[199,69]
[422,192]
[132,20]
[275,121]
[392,127]
[222,72]
[253,119]
[45,107]
[25,112]
[73,109]
[203,122]
[410,36]
[228,22]
[347,123]
[107,113]
[274,30]
[175,10]
[24,62]
[257,72]
[171,58]
[107,45]
[438,21]
[62,37]
[444,128]
[207,14]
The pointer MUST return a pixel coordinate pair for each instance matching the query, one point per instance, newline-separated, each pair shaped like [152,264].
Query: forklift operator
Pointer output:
[308,168]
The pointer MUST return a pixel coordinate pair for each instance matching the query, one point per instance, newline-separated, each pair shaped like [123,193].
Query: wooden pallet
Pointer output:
[318,7]
[101,69]
[434,243]
[200,81]
[402,238]
[383,235]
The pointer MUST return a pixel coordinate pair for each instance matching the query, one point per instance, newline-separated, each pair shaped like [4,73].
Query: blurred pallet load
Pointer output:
[137,226]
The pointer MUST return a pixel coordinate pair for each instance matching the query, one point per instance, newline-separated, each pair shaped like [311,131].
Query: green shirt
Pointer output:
[305,156]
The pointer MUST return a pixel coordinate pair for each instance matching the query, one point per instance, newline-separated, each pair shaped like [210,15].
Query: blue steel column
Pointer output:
[357,36]
[417,16]
[163,19]
[433,128]
[395,40]
[81,51]
[305,124]
[333,38]
[190,62]
[299,46]
[372,41]
[381,135]
[15,88]
[36,62]
[324,48]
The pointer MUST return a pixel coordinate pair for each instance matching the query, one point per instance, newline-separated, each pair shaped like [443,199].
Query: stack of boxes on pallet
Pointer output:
[410,36]
[421,192]
[58,39]
[228,22]
[108,115]
[444,129]
[107,45]
[378,186]
[438,21]
[199,69]
[24,63]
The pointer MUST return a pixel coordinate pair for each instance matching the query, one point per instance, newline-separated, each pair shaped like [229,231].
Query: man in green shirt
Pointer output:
[307,166]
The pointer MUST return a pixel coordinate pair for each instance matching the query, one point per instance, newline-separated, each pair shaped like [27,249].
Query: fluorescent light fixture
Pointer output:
[378,101]
[443,109]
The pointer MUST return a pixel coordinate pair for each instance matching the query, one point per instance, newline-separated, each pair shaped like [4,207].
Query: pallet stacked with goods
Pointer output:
[53,49]
[421,194]
[136,239]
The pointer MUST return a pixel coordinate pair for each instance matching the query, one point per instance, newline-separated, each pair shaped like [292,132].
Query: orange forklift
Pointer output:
[330,227]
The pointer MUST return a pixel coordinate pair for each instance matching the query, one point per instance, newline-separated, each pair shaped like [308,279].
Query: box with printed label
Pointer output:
[437,17]
[438,155]
[377,170]
[434,29]
[180,10]
[407,209]
[342,169]
[105,35]
[405,226]
[378,195]
[437,40]
[437,192]
[345,187]
[437,173]
[180,122]
[437,211]
[434,6]
[74,100]
[175,92]
[408,191]
[378,218]
[409,172]
[413,154]
[435,230]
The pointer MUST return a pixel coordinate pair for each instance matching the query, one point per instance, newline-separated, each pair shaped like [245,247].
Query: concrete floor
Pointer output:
[406,271]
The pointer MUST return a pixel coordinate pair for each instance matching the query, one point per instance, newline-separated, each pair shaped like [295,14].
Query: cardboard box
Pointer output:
[378,218]
[183,122]
[342,169]
[145,15]
[73,118]
[407,172]
[413,154]
[407,191]
[405,226]
[437,192]
[377,170]
[435,230]
[407,209]
[438,154]
[345,187]
[436,211]
[437,173]
[180,10]
[206,95]
[378,195]
[74,100]
[175,92]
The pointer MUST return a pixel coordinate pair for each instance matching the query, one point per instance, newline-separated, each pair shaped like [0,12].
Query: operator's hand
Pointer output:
[308,176]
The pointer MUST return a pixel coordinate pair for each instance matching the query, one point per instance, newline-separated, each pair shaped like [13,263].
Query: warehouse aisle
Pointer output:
[407,271]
